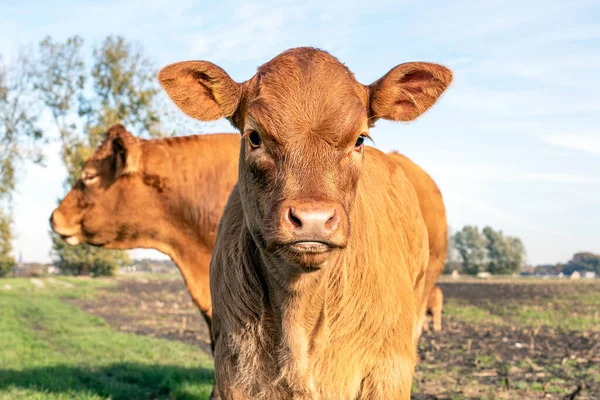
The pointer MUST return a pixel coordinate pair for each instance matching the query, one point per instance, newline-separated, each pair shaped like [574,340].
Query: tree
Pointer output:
[506,254]
[471,246]
[583,262]
[497,250]
[119,87]
[60,80]
[516,254]
[453,259]
[7,262]
[20,140]
[86,260]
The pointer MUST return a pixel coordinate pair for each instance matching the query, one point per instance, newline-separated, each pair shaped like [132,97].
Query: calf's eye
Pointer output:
[254,139]
[360,141]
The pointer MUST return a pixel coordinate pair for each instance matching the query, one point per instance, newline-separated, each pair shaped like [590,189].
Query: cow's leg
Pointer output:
[437,318]
[426,323]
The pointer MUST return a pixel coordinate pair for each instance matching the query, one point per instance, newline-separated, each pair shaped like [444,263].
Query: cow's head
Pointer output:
[304,119]
[110,202]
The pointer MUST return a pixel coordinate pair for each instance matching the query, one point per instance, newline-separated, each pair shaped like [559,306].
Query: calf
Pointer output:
[319,265]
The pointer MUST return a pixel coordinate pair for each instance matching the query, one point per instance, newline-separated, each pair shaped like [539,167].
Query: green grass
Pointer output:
[51,350]
[469,313]
[562,316]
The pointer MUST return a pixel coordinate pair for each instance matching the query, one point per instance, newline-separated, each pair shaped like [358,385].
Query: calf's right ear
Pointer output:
[201,89]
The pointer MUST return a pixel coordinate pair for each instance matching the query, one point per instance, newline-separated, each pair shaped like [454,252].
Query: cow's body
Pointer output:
[434,214]
[338,333]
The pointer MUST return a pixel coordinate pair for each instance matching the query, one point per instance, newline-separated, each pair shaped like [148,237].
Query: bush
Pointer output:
[7,263]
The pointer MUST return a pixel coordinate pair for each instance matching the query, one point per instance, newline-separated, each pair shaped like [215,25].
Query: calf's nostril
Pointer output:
[333,220]
[297,222]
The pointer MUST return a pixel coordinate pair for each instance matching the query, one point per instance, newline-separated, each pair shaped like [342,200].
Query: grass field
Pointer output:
[142,338]
[52,350]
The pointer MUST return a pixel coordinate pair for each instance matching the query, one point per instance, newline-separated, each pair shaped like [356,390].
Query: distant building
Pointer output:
[576,275]
[589,275]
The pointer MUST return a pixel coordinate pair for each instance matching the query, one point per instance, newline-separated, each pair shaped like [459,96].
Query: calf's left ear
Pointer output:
[201,89]
[407,91]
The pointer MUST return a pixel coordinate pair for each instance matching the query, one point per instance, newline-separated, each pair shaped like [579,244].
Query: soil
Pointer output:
[467,360]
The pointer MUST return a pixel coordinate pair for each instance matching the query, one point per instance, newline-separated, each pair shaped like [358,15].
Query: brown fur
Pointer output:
[334,323]
[435,306]
[434,214]
[164,194]
[134,227]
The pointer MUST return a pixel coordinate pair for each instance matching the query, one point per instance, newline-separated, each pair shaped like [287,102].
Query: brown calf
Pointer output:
[319,266]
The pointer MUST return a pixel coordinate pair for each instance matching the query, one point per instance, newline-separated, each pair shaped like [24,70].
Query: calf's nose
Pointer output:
[312,222]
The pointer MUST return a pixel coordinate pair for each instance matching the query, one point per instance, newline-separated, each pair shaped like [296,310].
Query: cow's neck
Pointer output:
[299,307]
[190,187]
[193,260]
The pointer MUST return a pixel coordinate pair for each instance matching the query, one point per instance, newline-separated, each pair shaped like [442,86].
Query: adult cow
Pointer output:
[318,269]
[164,194]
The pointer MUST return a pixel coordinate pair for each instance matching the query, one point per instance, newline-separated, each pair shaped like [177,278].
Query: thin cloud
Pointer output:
[560,178]
[588,143]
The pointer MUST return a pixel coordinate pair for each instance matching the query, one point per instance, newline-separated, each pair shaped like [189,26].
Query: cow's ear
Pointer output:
[201,89]
[407,91]
[125,151]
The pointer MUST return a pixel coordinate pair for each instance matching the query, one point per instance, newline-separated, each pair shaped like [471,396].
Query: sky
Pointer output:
[514,143]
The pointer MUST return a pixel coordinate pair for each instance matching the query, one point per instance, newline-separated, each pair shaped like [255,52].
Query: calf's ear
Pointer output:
[201,89]
[407,91]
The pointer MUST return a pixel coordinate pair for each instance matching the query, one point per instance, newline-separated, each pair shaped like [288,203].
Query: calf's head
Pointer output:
[304,119]
[109,203]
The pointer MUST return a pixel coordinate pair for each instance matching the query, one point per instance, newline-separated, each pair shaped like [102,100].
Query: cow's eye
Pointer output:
[254,138]
[89,177]
[359,142]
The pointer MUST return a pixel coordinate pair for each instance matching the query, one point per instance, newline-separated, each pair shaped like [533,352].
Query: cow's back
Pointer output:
[434,215]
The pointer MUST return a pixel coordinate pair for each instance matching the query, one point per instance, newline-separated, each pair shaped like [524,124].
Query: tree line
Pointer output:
[581,262]
[472,251]
[84,96]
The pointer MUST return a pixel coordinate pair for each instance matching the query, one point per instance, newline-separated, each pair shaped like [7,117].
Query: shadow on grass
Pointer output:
[116,381]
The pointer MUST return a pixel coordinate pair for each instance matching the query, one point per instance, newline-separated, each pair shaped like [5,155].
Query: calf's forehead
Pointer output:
[308,93]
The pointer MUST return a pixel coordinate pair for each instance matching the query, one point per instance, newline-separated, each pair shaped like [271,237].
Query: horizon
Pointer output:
[514,143]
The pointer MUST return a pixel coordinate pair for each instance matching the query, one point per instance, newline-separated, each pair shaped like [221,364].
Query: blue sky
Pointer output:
[514,143]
